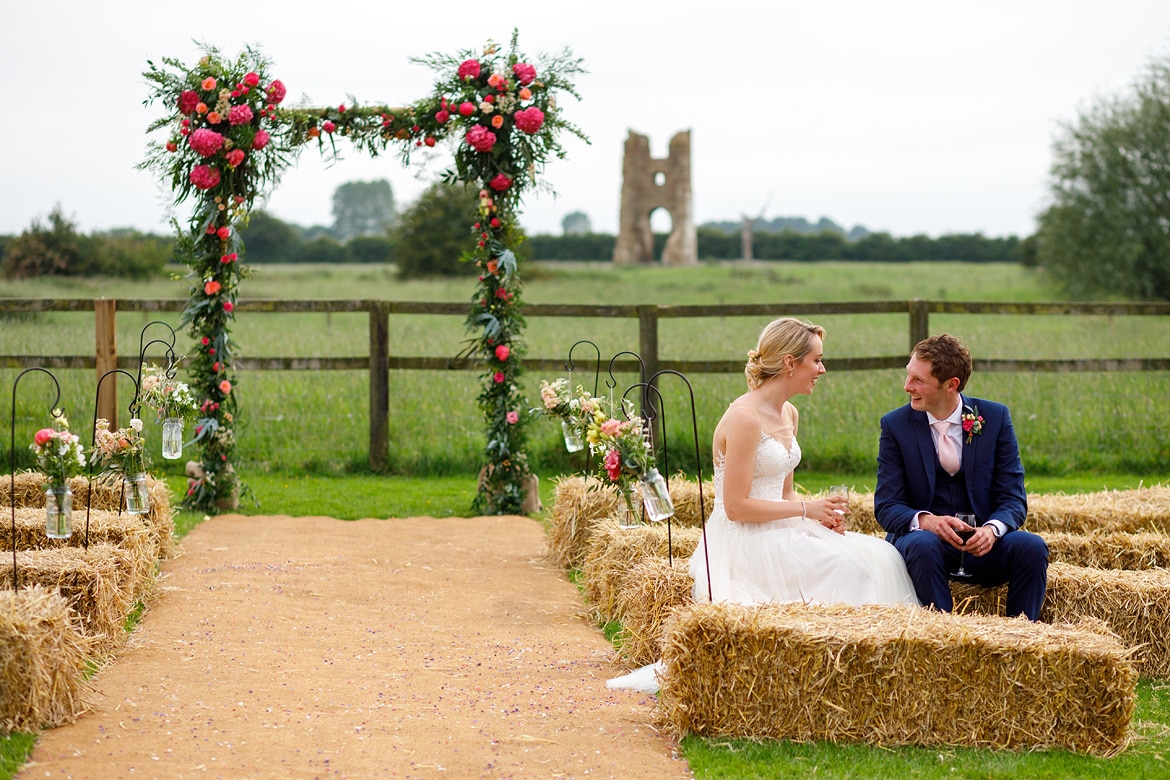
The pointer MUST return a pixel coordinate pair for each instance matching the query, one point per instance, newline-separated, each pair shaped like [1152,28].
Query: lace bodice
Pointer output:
[773,464]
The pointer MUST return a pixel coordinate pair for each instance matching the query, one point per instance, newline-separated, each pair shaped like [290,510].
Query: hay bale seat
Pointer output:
[579,504]
[96,583]
[129,532]
[107,495]
[42,661]
[651,591]
[614,551]
[1110,550]
[894,675]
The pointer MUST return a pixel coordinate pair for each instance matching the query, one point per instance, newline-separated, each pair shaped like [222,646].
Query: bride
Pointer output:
[762,543]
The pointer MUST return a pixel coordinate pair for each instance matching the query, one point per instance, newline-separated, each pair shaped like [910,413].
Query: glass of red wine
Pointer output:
[965,534]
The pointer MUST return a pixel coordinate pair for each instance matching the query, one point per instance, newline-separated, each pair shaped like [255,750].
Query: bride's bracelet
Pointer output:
[803,511]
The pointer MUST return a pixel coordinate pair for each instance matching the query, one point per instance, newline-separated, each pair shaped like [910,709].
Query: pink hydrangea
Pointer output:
[241,115]
[502,352]
[206,142]
[525,73]
[276,92]
[260,140]
[469,69]
[235,157]
[529,120]
[188,99]
[481,139]
[204,177]
[500,183]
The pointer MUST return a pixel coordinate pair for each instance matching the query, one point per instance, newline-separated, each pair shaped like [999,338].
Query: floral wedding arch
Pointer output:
[229,137]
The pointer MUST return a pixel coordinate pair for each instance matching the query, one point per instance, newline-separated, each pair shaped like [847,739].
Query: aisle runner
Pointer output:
[303,647]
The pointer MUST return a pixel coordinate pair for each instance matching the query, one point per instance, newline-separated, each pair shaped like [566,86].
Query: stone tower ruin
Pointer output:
[643,192]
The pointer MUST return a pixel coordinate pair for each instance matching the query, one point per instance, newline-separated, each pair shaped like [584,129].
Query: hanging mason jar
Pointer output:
[172,438]
[573,441]
[58,511]
[629,514]
[137,497]
[655,496]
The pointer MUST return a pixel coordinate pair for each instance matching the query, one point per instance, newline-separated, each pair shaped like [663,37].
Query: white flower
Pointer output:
[136,424]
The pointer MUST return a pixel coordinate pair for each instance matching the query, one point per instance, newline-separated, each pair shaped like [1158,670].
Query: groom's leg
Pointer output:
[1020,559]
[924,554]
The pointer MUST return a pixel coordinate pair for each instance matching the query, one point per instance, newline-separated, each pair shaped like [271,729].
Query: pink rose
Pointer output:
[225,387]
[512,418]
[43,436]
[235,157]
[276,92]
[613,465]
[481,139]
[442,116]
[205,341]
[468,69]
[260,140]
[206,142]
[188,99]
[502,352]
[498,377]
[228,306]
[209,83]
[496,81]
[251,79]
[328,126]
[466,108]
[239,115]
[529,120]
[500,183]
[211,288]
[224,233]
[525,73]
[204,177]
[611,427]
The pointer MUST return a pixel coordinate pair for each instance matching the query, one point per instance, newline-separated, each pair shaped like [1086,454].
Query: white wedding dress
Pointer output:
[791,559]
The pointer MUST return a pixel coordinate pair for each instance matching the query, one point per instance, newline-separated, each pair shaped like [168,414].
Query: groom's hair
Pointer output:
[948,357]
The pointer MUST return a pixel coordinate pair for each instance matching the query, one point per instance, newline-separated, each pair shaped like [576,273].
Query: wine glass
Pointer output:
[971,520]
[839,490]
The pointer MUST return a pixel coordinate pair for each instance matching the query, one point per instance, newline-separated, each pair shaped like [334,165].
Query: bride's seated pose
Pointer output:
[762,542]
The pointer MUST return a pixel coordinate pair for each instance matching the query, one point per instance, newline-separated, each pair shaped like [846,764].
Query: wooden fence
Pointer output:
[379,361]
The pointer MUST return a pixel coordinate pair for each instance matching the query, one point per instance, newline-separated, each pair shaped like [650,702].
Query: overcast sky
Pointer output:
[909,117]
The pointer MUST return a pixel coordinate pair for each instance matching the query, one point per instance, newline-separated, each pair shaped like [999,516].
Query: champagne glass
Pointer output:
[839,490]
[972,521]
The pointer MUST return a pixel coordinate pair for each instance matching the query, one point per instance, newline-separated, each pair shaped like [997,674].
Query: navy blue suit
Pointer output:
[990,483]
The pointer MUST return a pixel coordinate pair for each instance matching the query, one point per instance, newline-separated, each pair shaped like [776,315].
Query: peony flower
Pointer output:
[502,352]
[211,288]
[276,92]
[235,157]
[468,69]
[466,108]
[206,142]
[442,116]
[260,140]
[512,418]
[525,73]
[529,120]
[225,387]
[481,139]
[204,177]
[500,183]
[209,83]
[188,99]
[498,377]
[239,115]
[328,126]
[251,79]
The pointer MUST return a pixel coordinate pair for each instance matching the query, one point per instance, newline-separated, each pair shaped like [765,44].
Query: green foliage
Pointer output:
[58,249]
[322,249]
[369,249]
[363,208]
[1107,230]
[432,234]
[576,223]
[269,239]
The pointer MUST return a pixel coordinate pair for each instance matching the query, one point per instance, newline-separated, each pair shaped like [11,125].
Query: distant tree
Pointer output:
[576,223]
[127,252]
[1107,229]
[369,249]
[363,208]
[322,249]
[432,234]
[56,249]
[267,239]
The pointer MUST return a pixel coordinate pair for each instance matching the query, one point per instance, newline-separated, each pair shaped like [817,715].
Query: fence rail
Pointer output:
[379,362]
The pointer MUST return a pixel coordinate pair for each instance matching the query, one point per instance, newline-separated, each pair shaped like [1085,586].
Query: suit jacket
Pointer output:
[908,461]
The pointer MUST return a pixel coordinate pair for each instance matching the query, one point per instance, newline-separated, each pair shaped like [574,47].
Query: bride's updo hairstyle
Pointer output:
[780,338]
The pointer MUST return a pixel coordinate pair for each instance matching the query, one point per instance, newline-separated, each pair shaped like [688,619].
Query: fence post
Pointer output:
[919,321]
[106,353]
[379,386]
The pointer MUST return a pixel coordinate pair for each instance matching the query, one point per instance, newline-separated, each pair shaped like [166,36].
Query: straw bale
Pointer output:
[577,505]
[649,593]
[613,551]
[128,532]
[95,582]
[42,661]
[1110,549]
[894,675]
[1139,510]
[684,494]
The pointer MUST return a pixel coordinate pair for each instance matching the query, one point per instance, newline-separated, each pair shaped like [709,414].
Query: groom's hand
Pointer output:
[943,526]
[981,541]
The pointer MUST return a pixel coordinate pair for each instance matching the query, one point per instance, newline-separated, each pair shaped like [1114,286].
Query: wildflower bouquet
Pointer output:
[623,446]
[574,409]
[121,451]
[59,454]
[166,395]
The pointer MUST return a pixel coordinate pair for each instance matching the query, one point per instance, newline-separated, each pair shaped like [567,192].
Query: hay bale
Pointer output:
[95,582]
[42,661]
[861,516]
[1133,511]
[877,674]
[649,594]
[1110,550]
[613,551]
[128,532]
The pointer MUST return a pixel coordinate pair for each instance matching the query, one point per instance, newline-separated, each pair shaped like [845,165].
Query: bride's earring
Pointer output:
[791,371]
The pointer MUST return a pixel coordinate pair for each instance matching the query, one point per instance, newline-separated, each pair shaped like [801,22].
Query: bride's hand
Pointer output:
[829,512]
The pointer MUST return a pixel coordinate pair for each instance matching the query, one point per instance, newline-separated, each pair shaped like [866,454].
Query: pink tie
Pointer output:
[948,456]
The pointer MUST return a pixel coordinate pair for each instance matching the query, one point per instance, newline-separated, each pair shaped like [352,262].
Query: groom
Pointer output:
[943,454]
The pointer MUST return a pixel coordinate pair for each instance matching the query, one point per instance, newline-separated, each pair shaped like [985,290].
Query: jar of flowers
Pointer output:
[59,456]
[123,452]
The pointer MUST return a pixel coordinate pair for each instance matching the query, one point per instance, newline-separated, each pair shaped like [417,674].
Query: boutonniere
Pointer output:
[972,422]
